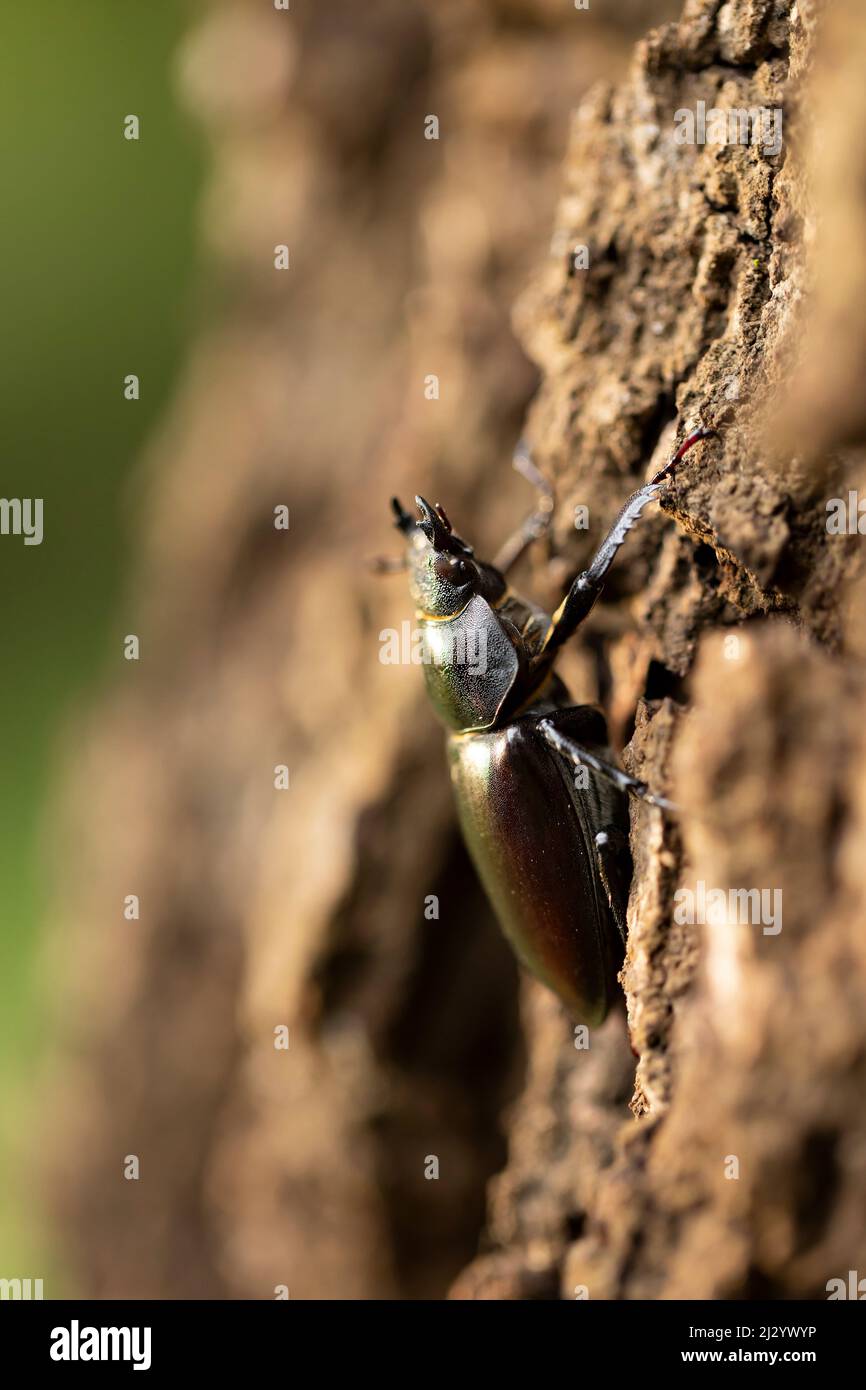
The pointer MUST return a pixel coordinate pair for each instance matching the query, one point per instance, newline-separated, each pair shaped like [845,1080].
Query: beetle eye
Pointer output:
[452,569]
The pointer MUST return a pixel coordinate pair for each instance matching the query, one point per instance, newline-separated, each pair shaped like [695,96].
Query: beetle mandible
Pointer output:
[552,856]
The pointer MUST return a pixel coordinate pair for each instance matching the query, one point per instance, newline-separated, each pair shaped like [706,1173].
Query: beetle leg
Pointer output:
[587,586]
[614,867]
[579,756]
[535,525]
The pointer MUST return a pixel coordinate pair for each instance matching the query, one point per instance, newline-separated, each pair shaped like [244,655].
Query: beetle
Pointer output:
[553,856]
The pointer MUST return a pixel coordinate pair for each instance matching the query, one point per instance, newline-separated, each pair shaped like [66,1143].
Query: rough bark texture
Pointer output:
[728,654]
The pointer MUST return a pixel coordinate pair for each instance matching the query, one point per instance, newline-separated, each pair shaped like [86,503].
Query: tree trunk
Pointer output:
[728,653]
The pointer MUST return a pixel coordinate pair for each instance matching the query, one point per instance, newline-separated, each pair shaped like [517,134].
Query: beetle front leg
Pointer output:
[579,756]
[586,588]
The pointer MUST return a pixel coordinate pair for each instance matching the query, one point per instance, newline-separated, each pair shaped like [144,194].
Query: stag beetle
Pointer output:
[553,856]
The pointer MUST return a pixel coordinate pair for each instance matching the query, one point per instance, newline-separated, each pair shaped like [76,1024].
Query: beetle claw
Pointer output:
[705,432]
[432,525]
[404,521]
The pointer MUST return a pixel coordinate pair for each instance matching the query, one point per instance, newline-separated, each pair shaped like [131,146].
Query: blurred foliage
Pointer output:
[97,247]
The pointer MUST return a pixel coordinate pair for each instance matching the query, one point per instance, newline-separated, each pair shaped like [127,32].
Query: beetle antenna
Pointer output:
[522,463]
[385,564]
[535,525]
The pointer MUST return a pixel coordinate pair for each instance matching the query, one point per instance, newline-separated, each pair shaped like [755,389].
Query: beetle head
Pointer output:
[443,571]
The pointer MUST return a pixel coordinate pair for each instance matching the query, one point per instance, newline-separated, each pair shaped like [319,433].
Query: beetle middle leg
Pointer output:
[579,756]
[613,857]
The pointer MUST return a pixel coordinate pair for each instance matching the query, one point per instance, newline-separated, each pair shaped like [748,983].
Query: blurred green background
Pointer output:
[97,254]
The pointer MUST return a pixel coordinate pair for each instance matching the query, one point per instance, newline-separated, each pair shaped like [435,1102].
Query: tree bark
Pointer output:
[728,653]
